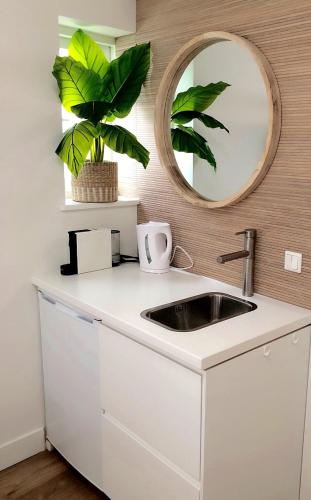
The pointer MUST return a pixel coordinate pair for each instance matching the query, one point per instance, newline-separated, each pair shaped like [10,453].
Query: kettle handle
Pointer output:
[169,242]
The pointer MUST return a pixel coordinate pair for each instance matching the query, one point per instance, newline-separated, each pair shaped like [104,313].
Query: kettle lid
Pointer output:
[155,224]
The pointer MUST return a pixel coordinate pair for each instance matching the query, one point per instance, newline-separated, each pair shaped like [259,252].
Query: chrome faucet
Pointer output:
[249,260]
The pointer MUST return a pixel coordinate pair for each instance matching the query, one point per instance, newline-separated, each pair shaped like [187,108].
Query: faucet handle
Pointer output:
[249,232]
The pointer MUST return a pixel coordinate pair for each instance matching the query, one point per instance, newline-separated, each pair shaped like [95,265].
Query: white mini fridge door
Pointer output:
[70,348]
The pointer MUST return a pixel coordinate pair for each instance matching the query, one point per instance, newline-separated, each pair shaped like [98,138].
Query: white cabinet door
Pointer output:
[133,472]
[305,493]
[255,410]
[70,347]
[154,397]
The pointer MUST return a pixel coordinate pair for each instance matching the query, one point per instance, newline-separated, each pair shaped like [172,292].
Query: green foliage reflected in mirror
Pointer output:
[188,106]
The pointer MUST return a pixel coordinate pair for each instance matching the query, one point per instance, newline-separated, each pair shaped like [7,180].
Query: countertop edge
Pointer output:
[122,327]
[255,343]
[178,355]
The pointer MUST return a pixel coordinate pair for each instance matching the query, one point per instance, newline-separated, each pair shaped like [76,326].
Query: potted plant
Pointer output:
[98,92]
[188,106]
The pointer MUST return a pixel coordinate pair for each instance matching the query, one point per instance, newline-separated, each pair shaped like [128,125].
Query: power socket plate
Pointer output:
[293,261]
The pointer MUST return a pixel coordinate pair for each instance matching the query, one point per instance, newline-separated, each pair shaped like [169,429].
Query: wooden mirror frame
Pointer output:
[163,109]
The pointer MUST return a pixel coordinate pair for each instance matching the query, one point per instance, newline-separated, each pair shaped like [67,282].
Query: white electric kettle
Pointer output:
[154,246]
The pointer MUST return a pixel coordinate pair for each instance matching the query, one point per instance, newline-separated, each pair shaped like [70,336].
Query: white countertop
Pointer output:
[117,296]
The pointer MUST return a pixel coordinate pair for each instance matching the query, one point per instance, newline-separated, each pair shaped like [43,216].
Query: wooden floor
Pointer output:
[46,476]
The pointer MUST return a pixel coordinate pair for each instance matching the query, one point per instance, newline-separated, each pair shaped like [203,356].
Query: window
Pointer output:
[69,119]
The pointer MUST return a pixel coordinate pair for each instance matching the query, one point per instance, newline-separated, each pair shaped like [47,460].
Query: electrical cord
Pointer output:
[178,247]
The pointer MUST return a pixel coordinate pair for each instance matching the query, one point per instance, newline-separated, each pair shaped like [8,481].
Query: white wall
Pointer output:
[242,108]
[118,17]
[33,229]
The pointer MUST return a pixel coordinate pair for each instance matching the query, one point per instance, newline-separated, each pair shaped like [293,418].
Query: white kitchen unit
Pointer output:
[147,413]
[152,422]
[252,414]
[134,472]
[254,422]
[145,390]
[70,351]
[305,493]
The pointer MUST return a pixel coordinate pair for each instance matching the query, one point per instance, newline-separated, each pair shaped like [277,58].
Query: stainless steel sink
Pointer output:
[197,312]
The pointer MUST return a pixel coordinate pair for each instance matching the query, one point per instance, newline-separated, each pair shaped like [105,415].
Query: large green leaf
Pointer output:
[122,141]
[94,111]
[198,98]
[84,49]
[110,117]
[125,77]
[187,116]
[76,144]
[76,83]
[186,140]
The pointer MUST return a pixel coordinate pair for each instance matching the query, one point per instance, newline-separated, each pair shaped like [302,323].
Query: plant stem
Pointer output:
[92,152]
[97,147]
[102,147]
[97,150]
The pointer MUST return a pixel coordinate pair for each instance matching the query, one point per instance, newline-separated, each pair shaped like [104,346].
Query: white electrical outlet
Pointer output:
[293,261]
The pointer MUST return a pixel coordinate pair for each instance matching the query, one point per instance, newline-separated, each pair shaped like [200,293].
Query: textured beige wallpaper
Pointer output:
[281,207]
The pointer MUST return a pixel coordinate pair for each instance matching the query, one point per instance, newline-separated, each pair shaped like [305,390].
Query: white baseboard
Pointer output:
[21,448]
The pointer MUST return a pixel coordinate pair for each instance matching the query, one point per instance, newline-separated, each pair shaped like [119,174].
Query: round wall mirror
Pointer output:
[218,118]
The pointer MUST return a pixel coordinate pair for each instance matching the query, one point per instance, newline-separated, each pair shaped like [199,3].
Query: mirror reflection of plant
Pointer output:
[99,91]
[188,106]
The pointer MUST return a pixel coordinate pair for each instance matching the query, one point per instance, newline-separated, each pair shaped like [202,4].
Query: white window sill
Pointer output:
[122,202]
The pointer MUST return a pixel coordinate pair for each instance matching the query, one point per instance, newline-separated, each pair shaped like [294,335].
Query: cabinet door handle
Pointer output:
[47,299]
[267,350]
[68,310]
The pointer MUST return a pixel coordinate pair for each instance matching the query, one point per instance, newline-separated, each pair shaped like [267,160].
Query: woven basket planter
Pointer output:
[96,183]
